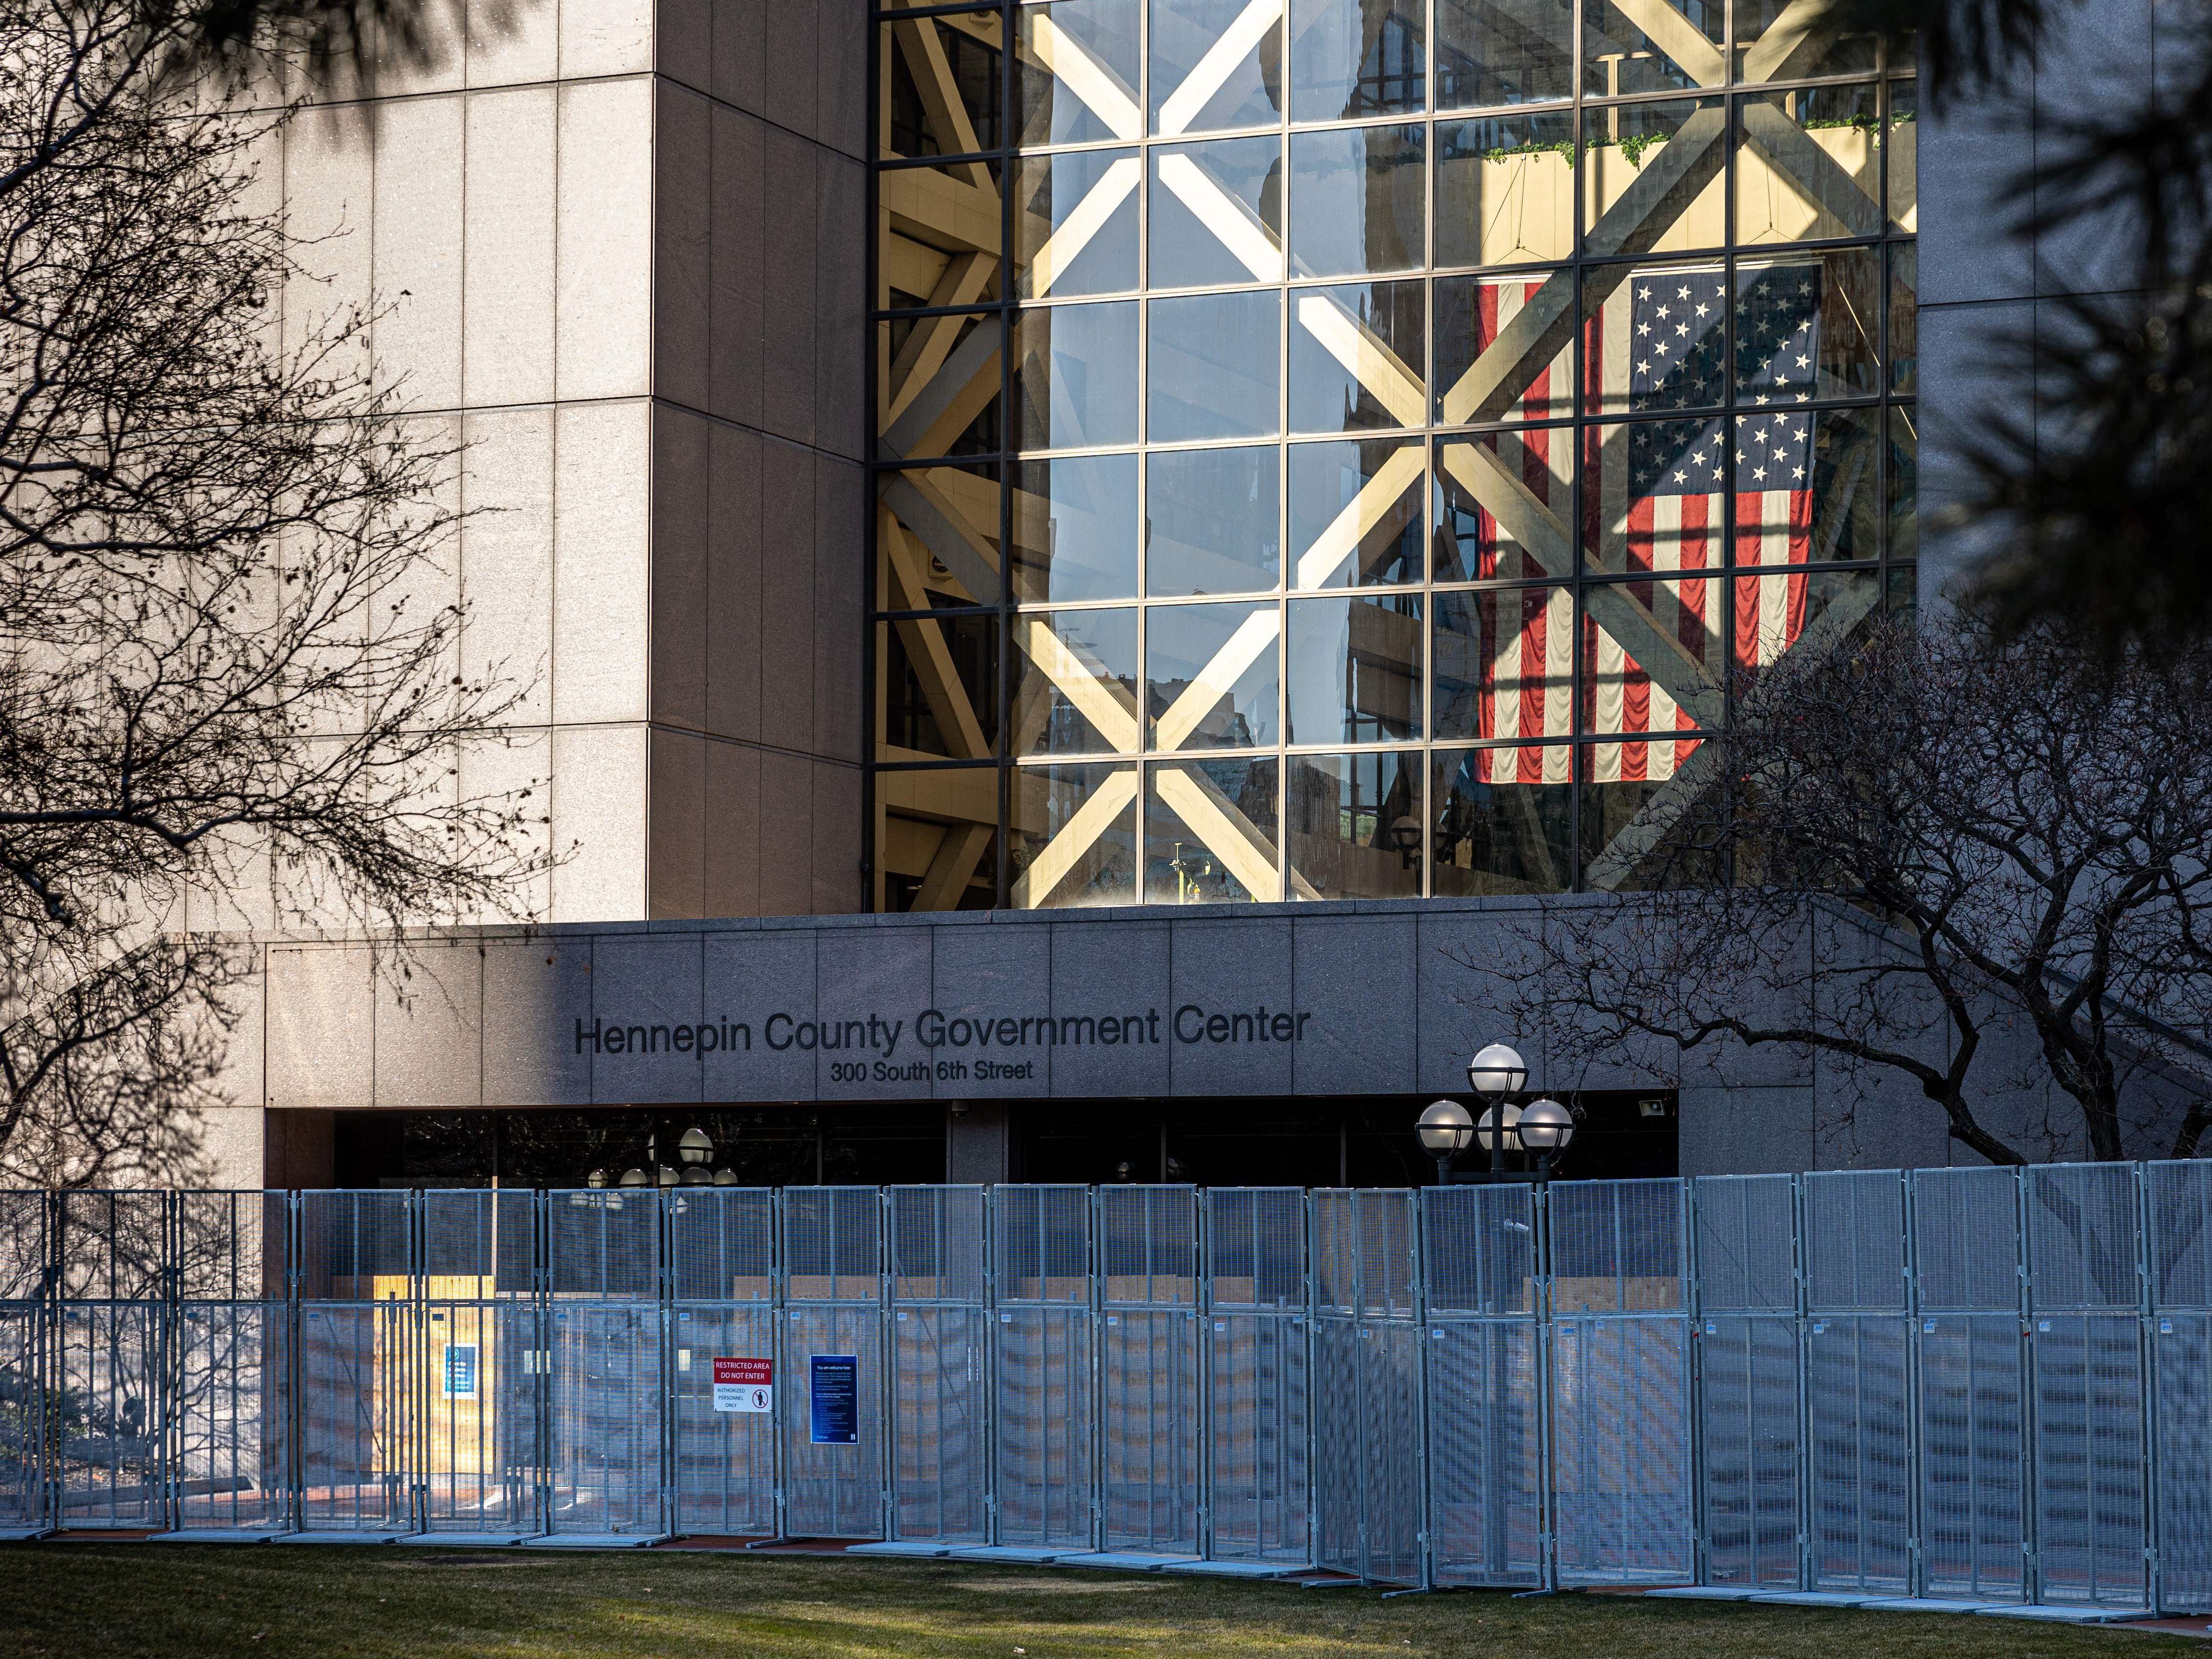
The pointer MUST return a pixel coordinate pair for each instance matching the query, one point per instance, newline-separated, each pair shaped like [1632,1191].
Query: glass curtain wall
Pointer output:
[1357,448]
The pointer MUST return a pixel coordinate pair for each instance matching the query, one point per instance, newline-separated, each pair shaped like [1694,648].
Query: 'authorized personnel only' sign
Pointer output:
[745,1385]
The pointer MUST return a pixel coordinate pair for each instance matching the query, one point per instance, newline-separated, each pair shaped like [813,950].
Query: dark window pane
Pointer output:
[941,685]
[1354,825]
[1501,821]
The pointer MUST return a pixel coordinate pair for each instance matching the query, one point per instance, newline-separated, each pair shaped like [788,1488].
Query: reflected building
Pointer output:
[1446,407]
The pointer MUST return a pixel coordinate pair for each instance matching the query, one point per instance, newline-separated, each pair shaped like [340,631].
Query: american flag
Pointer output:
[1654,502]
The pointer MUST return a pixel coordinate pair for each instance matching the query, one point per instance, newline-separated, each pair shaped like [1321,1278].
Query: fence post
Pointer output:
[1799,1261]
[2147,1399]
[1700,1497]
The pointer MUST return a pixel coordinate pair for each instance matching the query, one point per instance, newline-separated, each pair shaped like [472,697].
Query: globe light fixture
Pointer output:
[633,1178]
[1496,1071]
[1445,1129]
[1500,1129]
[696,1147]
[1546,1127]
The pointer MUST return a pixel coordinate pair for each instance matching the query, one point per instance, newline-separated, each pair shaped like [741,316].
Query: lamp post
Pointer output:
[1542,1127]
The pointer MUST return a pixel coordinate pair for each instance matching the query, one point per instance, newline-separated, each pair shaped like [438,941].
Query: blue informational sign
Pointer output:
[833,1400]
[460,1370]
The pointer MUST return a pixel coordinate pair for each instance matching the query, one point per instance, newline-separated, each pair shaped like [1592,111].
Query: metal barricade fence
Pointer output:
[2178,1199]
[1619,1423]
[1857,1342]
[24,1411]
[1148,1370]
[355,1401]
[1981,1384]
[938,1249]
[1369,1412]
[1044,1380]
[109,1394]
[1256,1437]
[1748,1379]
[833,1412]
[1486,1385]
[722,1287]
[2086,1307]
[230,1368]
[1970,1430]
[480,1334]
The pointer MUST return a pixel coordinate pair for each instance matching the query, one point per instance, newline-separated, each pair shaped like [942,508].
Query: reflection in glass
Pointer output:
[1506,190]
[1774,613]
[1076,230]
[1074,840]
[1216,64]
[1651,46]
[1808,164]
[1217,212]
[1076,529]
[1354,57]
[1355,669]
[1902,143]
[1077,71]
[1661,496]
[1076,367]
[1653,178]
[937,536]
[1212,365]
[1904,483]
[941,84]
[1357,357]
[1652,661]
[1354,824]
[1211,675]
[1504,666]
[1635,835]
[1359,200]
[1075,686]
[1495,364]
[1503,52]
[1905,317]
[937,840]
[941,385]
[1210,832]
[1501,821]
[1808,325]
[1503,501]
[1210,522]
[940,242]
[1657,336]
[941,685]
[1807,486]
[1355,513]
[1774,44]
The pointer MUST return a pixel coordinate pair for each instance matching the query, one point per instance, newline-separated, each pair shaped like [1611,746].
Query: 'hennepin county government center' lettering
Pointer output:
[934,1030]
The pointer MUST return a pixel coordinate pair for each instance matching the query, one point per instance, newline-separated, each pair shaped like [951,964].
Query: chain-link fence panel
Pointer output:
[1857,1345]
[721,1244]
[481,1333]
[1258,1415]
[1044,1386]
[230,1412]
[939,1266]
[1972,1421]
[1369,1425]
[1484,1386]
[1148,1259]
[2085,1295]
[1748,1378]
[2178,1199]
[833,1457]
[1620,1383]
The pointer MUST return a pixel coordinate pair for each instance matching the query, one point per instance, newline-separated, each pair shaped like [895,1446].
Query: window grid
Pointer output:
[1591,596]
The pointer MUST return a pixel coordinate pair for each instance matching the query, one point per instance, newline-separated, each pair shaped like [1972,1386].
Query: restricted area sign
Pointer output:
[745,1385]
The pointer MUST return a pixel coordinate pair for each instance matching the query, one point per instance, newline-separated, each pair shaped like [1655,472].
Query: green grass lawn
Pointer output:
[155,1600]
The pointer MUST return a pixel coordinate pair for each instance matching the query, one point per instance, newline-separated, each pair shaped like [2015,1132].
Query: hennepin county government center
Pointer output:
[1091,563]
